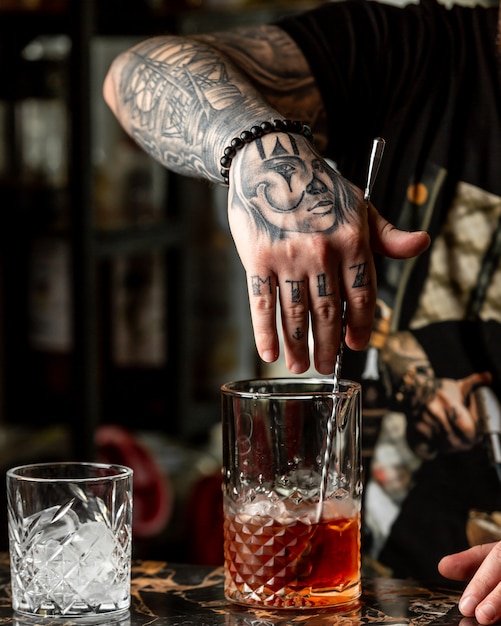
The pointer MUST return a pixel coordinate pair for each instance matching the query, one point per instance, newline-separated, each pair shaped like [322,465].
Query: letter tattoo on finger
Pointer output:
[361,277]
[295,289]
[322,286]
[257,283]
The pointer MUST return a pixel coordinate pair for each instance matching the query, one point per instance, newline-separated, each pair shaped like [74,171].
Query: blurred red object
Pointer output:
[203,522]
[152,490]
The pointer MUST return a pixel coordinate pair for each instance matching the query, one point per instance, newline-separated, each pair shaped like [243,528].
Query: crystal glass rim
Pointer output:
[239,388]
[117,472]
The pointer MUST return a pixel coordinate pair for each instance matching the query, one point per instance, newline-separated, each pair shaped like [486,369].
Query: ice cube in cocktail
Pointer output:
[64,566]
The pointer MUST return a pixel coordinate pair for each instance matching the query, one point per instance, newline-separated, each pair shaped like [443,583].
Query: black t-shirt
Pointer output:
[426,78]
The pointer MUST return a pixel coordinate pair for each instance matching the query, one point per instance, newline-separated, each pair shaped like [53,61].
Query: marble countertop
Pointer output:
[165,594]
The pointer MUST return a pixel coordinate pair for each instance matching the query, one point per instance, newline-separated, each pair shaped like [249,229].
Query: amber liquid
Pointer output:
[291,564]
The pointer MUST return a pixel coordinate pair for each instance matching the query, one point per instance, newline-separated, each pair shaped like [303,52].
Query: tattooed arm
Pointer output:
[301,230]
[183,99]
[442,414]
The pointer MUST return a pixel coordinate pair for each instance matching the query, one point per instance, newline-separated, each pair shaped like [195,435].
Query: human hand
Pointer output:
[481,565]
[449,421]
[306,238]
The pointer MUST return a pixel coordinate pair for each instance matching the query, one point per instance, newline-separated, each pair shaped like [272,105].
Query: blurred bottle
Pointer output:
[42,151]
[130,188]
[138,311]
[49,338]
[42,123]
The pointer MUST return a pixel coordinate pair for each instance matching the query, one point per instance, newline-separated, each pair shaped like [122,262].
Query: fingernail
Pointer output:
[296,368]
[326,367]
[467,606]
[268,356]
[486,613]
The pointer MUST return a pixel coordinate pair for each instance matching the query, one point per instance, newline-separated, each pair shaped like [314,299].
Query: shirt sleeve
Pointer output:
[365,57]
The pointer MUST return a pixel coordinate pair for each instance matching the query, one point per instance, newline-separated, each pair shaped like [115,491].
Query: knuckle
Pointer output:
[353,240]
[362,301]
[321,247]
[263,305]
[264,338]
[296,313]
[354,236]
[324,313]
[290,249]
[496,556]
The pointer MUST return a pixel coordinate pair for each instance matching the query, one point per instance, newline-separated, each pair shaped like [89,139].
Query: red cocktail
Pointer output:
[288,559]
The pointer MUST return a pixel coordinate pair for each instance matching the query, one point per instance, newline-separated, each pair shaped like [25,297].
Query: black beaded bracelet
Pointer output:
[264,128]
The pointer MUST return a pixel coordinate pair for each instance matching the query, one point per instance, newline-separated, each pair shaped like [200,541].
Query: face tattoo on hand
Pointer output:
[291,193]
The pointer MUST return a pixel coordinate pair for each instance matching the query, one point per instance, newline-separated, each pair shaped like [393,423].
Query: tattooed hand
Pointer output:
[442,414]
[298,226]
[303,236]
[450,421]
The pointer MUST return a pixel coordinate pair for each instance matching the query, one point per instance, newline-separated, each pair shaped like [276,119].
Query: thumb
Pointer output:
[475,380]
[391,241]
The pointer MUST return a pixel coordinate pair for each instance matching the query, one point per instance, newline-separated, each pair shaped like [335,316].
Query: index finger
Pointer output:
[359,286]
[482,596]
[262,286]
[463,565]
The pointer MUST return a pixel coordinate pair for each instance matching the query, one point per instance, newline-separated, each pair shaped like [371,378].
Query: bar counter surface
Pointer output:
[165,594]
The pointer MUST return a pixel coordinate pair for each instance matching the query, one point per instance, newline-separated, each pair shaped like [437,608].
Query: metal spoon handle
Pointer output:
[339,356]
[374,162]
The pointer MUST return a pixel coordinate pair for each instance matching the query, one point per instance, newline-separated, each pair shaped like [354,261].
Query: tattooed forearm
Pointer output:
[412,376]
[184,98]
[182,102]
[271,60]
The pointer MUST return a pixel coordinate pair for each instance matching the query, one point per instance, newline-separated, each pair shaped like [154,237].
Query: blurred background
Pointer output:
[123,304]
